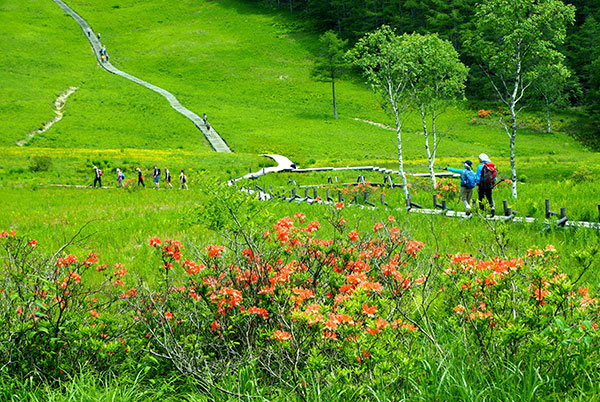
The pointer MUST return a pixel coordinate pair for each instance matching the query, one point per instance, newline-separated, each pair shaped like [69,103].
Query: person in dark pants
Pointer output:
[156,177]
[168,178]
[485,179]
[97,177]
[140,178]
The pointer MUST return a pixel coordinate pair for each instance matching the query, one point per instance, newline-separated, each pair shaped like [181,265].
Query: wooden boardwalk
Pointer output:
[215,140]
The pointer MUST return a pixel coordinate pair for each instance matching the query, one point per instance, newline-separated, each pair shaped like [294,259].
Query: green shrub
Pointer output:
[40,164]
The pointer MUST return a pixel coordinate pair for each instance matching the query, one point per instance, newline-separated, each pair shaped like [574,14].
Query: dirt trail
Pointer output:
[59,104]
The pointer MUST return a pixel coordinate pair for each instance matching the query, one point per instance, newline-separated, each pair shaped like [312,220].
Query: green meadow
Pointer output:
[248,67]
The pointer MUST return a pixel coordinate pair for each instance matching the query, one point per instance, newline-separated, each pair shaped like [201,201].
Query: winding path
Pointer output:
[59,103]
[211,135]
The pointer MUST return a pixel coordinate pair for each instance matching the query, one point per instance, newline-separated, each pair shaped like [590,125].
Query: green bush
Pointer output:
[40,164]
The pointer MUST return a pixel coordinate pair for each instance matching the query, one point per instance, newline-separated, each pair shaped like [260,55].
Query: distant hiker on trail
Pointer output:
[97,177]
[140,178]
[98,35]
[182,180]
[205,119]
[89,31]
[156,177]
[485,178]
[467,184]
[120,178]
[168,178]
[103,50]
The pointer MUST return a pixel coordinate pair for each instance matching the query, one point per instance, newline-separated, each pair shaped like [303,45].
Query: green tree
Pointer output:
[515,41]
[380,56]
[436,76]
[331,63]
[551,87]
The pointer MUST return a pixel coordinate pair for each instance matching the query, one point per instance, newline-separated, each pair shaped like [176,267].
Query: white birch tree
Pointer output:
[380,56]
[515,40]
[436,76]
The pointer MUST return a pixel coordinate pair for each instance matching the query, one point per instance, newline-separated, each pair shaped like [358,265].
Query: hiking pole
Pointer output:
[495,184]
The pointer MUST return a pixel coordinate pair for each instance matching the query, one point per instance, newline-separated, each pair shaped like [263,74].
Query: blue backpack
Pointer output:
[469,179]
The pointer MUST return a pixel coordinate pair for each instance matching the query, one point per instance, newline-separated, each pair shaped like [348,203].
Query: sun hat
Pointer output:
[468,162]
[483,157]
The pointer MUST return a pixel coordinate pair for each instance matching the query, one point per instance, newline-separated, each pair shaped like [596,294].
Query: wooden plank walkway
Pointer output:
[215,140]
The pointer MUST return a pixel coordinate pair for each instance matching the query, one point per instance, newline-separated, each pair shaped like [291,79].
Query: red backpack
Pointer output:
[488,176]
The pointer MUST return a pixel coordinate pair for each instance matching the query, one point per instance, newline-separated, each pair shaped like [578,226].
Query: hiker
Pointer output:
[102,58]
[98,35]
[205,119]
[182,180]
[89,31]
[97,177]
[485,178]
[120,178]
[103,50]
[467,184]
[156,177]
[168,178]
[140,177]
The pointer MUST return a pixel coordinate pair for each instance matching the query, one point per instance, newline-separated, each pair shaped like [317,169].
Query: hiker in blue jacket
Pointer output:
[485,178]
[467,184]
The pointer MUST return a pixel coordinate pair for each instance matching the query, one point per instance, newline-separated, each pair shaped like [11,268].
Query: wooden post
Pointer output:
[547,209]
[385,203]
[329,180]
[315,193]
[294,192]
[563,213]
[408,202]
[306,192]
[435,201]
[505,204]
[443,204]
[340,199]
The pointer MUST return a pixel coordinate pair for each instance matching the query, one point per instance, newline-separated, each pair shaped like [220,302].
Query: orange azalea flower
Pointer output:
[155,241]
[214,251]
[339,205]
[353,235]
[94,313]
[378,226]
[215,326]
[169,316]
[459,309]
[369,310]
[282,335]
[33,243]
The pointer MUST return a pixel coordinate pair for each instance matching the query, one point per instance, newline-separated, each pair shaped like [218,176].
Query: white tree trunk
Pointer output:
[430,156]
[513,136]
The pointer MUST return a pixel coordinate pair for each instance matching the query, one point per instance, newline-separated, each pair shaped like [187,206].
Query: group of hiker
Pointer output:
[484,179]
[156,174]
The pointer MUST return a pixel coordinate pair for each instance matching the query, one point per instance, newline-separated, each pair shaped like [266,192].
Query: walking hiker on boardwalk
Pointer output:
[98,35]
[205,119]
[120,178]
[168,178]
[182,180]
[156,177]
[97,177]
[485,178]
[467,184]
[140,178]
[89,31]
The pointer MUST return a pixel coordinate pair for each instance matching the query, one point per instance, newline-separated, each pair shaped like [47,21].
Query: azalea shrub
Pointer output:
[53,320]
[290,300]
[525,308]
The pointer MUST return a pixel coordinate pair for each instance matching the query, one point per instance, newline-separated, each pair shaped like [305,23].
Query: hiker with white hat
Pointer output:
[97,177]
[467,184]
[485,178]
